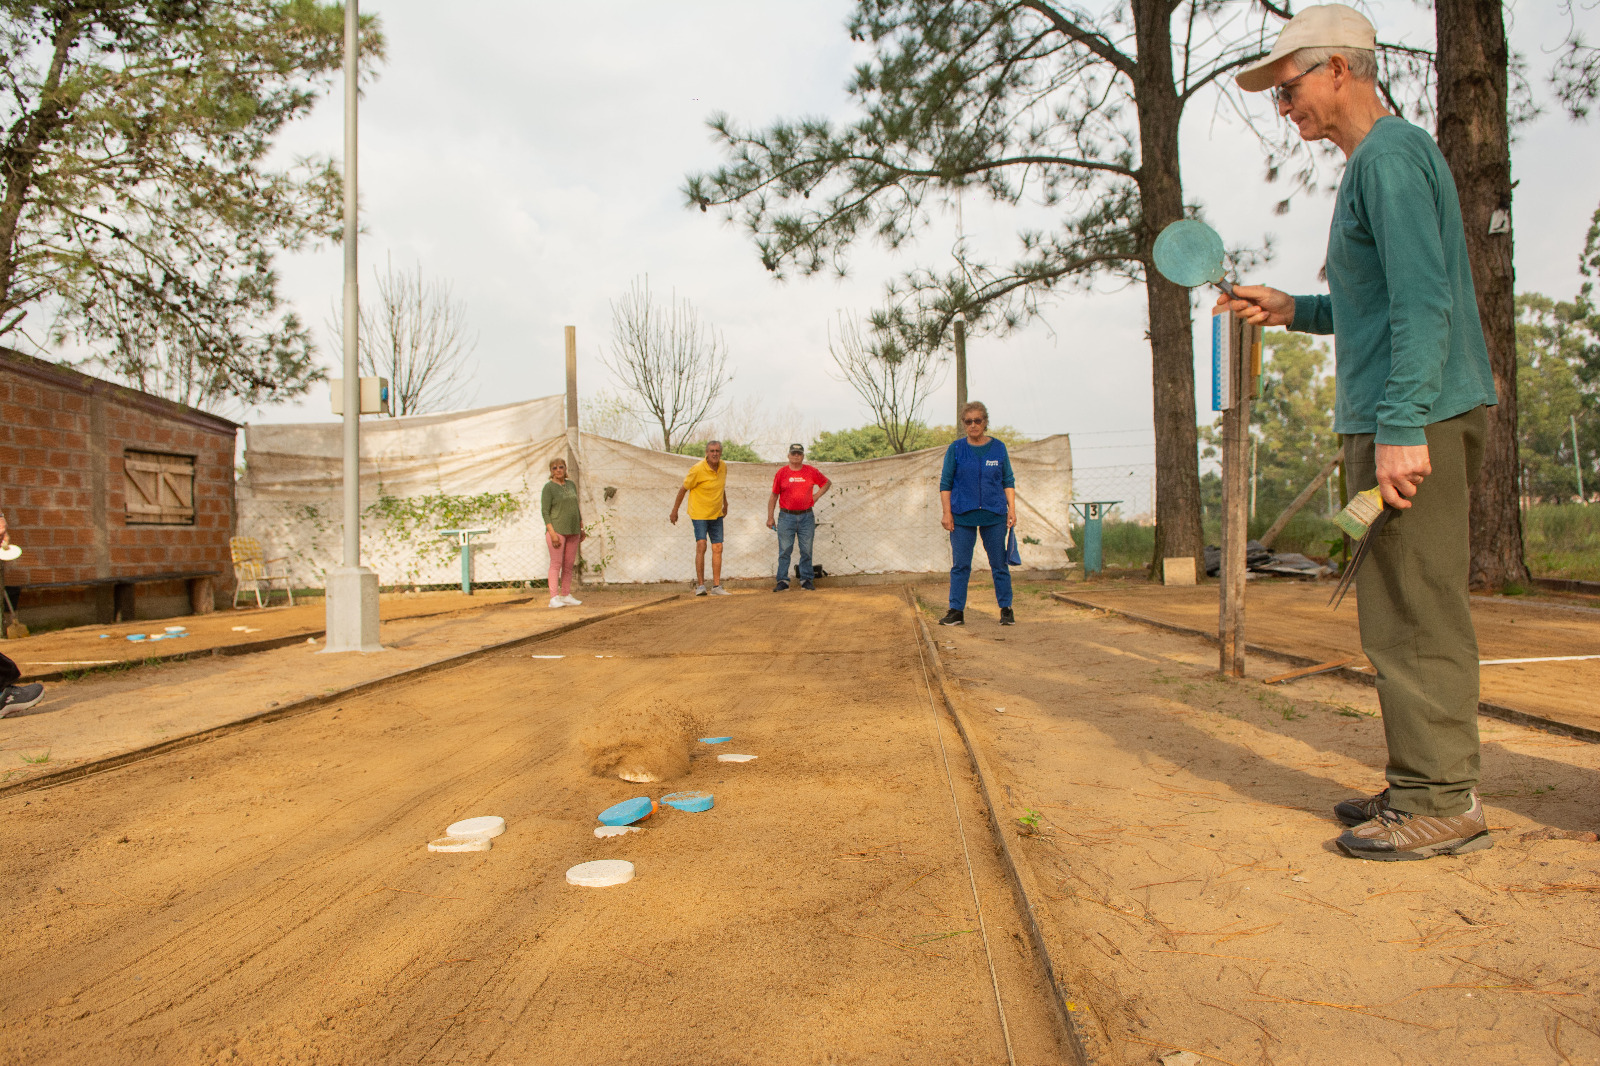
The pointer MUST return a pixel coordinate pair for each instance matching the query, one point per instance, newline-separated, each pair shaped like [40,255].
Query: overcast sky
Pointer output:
[533,155]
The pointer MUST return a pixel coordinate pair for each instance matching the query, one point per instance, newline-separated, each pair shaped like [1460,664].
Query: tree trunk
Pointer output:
[1177,500]
[1475,139]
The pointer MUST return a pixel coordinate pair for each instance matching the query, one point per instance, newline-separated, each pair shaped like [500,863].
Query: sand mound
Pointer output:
[644,744]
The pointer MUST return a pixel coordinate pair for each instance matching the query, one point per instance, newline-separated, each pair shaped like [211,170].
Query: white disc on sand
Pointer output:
[603,831]
[601,873]
[735,758]
[487,827]
[454,843]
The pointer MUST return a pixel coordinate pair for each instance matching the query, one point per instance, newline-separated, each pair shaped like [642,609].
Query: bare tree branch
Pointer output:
[894,380]
[674,365]
[416,335]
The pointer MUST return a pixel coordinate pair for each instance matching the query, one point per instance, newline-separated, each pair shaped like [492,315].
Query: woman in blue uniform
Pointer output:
[980,500]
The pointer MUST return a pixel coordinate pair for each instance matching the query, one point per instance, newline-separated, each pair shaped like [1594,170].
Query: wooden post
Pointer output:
[961,368]
[572,402]
[1235,496]
[572,418]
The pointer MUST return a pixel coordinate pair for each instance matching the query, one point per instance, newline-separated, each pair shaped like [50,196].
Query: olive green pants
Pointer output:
[1416,622]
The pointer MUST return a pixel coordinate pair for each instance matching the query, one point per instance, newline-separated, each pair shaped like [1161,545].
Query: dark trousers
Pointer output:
[962,540]
[8,673]
[1416,621]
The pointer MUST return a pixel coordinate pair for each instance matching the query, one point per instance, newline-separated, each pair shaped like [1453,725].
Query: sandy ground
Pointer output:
[1186,848]
[266,897]
[1293,616]
[108,713]
[83,647]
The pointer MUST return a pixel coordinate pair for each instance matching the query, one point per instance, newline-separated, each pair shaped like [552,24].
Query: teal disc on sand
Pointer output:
[627,812]
[693,802]
[715,740]
[1189,253]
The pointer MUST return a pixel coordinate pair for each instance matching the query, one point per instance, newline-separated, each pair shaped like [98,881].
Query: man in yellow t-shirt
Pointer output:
[706,485]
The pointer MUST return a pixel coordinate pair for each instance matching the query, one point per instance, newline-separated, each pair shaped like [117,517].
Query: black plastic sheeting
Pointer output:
[1264,560]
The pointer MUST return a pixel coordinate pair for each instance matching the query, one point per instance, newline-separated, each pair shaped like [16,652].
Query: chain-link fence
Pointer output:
[1133,484]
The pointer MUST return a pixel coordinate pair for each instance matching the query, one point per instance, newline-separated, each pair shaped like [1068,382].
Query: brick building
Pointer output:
[102,486]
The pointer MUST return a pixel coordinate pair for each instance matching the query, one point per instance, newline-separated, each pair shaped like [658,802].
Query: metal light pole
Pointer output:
[352,596]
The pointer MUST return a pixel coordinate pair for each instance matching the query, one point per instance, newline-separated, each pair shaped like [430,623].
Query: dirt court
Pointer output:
[267,897]
[1294,617]
[108,712]
[83,648]
[1185,845]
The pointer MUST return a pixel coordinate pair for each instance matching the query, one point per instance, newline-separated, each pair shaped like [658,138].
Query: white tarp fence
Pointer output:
[486,468]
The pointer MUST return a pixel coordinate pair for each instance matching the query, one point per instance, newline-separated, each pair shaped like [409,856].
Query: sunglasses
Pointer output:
[973,421]
[1284,94]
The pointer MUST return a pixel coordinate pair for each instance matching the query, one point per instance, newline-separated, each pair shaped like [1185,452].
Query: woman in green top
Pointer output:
[563,531]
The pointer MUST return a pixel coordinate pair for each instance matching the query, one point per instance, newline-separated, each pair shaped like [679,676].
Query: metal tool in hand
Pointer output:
[1190,253]
[1359,557]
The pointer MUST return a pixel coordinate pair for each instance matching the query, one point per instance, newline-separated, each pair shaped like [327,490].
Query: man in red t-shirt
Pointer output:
[794,489]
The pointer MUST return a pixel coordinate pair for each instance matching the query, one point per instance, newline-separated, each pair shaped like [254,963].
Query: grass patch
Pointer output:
[36,760]
[1122,544]
[1563,540]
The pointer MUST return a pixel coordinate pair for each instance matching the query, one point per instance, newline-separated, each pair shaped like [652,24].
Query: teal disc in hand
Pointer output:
[1189,253]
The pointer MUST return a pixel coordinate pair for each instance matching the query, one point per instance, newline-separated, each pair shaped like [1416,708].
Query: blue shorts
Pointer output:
[708,529]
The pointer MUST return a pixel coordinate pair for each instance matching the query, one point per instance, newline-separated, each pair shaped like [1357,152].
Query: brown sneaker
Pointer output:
[1356,811]
[1399,835]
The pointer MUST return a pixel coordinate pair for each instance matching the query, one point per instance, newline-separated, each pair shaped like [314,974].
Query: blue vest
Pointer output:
[979,482]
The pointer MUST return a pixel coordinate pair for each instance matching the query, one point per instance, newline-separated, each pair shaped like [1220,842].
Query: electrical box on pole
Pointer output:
[374,396]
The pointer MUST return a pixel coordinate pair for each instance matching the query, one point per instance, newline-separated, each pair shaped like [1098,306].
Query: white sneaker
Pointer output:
[699,590]
[718,590]
[570,601]
[557,601]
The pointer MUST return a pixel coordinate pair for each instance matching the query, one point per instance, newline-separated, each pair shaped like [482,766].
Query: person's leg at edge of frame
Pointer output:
[700,561]
[716,563]
[786,531]
[557,557]
[994,546]
[806,531]
[1416,623]
[10,673]
[962,541]
[569,563]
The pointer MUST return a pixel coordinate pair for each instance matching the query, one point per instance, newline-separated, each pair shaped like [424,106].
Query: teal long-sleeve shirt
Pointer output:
[1408,345]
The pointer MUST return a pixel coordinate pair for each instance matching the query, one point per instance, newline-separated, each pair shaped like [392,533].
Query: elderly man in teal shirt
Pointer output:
[1413,379]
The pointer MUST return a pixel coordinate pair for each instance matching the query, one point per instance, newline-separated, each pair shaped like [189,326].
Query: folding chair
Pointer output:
[251,568]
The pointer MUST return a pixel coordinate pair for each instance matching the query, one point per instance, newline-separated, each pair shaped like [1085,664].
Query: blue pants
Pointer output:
[962,540]
[790,527]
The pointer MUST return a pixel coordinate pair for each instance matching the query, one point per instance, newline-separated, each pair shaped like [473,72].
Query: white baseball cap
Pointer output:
[1324,26]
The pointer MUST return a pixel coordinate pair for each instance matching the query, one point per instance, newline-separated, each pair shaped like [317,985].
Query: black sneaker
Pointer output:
[953,617]
[1006,617]
[1356,811]
[19,698]
[808,586]
[782,586]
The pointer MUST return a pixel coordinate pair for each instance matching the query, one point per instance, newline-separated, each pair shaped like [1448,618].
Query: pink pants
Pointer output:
[562,560]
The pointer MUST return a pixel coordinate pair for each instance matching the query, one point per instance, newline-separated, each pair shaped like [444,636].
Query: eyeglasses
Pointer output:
[973,421]
[1282,94]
